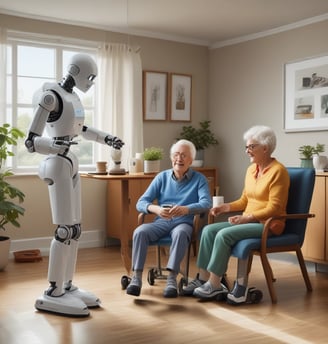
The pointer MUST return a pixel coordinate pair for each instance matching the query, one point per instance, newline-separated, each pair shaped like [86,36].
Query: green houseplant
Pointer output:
[201,137]
[9,194]
[152,157]
[307,152]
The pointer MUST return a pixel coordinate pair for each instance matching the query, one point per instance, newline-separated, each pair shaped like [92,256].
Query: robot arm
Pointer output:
[101,137]
[43,145]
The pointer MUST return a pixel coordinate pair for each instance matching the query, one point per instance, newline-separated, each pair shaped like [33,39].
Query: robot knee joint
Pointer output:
[62,233]
[76,231]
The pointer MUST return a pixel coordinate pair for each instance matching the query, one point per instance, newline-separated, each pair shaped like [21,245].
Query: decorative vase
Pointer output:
[152,166]
[4,251]
[320,162]
[306,163]
[199,159]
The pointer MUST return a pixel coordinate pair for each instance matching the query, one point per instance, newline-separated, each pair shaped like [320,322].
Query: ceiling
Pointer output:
[211,23]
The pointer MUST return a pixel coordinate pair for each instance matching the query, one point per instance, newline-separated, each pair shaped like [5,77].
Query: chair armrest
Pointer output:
[267,231]
[141,218]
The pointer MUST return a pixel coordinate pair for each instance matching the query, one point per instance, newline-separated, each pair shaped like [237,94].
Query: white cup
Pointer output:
[217,200]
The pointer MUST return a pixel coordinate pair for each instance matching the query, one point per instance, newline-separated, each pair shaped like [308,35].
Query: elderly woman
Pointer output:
[265,195]
[174,195]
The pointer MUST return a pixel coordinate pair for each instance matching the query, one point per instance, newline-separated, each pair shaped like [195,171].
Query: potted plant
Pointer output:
[152,157]
[201,137]
[9,210]
[307,153]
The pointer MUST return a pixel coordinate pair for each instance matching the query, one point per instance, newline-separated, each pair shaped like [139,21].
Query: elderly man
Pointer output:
[179,193]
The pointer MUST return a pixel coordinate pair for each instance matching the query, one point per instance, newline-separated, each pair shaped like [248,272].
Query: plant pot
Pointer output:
[152,166]
[320,162]
[306,163]
[4,251]
[199,159]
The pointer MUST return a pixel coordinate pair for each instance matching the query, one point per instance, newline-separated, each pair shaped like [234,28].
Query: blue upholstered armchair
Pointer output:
[299,200]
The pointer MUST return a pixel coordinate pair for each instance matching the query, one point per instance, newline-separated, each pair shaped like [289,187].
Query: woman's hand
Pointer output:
[241,219]
[222,208]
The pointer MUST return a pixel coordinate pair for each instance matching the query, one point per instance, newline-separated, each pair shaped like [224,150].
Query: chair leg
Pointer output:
[268,276]
[303,269]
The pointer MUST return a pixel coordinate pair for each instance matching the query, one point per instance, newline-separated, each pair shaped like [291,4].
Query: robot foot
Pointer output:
[63,305]
[86,297]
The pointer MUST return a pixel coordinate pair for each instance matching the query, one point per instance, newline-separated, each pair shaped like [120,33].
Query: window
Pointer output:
[31,63]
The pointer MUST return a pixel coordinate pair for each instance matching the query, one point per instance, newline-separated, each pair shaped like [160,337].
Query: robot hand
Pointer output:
[114,142]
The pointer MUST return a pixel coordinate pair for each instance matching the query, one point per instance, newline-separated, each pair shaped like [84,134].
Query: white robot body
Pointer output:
[59,111]
[61,175]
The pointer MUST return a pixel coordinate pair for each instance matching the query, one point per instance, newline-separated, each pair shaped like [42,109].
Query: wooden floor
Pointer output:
[299,317]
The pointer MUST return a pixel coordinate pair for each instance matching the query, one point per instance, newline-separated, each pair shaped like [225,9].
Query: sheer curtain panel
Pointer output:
[120,103]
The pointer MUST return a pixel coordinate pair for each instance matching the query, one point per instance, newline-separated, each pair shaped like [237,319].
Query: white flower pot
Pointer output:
[152,166]
[4,251]
[320,162]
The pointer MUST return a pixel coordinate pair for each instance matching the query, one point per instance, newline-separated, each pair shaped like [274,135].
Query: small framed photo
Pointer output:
[180,97]
[155,95]
[306,95]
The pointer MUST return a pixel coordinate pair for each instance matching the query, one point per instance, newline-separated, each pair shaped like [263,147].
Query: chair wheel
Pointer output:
[255,295]
[151,277]
[125,281]
[183,282]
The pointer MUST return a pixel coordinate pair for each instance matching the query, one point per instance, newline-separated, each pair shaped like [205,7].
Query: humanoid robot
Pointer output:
[60,111]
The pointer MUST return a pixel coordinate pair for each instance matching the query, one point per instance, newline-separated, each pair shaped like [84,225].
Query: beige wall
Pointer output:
[247,88]
[158,55]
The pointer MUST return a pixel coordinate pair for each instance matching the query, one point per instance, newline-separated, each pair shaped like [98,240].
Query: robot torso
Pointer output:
[67,120]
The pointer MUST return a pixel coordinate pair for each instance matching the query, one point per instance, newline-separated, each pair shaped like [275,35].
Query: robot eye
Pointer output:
[91,77]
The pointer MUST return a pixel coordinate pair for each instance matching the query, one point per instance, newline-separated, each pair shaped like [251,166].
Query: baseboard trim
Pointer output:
[88,239]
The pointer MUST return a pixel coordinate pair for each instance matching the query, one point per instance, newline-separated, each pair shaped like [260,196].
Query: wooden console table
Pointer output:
[123,192]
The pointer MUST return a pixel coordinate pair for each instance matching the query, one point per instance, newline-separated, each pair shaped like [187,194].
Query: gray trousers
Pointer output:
[148,232]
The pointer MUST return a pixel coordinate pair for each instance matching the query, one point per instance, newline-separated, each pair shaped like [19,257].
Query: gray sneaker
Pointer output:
[207,292]
[188,290]
[134,288]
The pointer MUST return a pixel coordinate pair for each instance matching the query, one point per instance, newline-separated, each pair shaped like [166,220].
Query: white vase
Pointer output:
[320,162]
[152,166]
[4,251]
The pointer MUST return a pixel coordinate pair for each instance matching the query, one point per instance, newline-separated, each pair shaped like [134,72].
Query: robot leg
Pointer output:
[55,299]
[88,298]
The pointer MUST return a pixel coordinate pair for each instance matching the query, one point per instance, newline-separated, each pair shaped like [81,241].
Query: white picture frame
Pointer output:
[306,95]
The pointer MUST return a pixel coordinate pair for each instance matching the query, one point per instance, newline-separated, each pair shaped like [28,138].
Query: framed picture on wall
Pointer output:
[180,97]
[155,95]
[306,95]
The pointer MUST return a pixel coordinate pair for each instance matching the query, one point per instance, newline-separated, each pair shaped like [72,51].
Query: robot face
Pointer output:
[83,69]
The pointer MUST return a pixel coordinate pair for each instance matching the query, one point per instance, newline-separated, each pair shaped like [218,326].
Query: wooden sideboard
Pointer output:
[123,192]
[315,247]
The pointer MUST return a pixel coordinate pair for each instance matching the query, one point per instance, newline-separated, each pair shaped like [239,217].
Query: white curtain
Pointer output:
[2,75]
[120,102]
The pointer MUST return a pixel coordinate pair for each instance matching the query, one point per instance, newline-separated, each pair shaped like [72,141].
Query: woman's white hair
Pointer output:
[263,135]
[183,142]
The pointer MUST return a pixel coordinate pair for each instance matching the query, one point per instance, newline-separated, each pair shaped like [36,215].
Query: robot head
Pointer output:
[83,69]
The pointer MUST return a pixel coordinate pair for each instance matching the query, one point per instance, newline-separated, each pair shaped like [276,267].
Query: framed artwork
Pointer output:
[155,95]
[306,95]
[180,97]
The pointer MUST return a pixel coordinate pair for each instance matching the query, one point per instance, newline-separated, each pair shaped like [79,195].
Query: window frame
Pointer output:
[59,44]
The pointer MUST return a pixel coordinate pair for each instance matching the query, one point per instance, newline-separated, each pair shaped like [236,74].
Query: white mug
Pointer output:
[217,200]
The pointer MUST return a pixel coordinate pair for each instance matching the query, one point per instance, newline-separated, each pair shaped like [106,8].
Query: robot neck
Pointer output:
[68,83]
